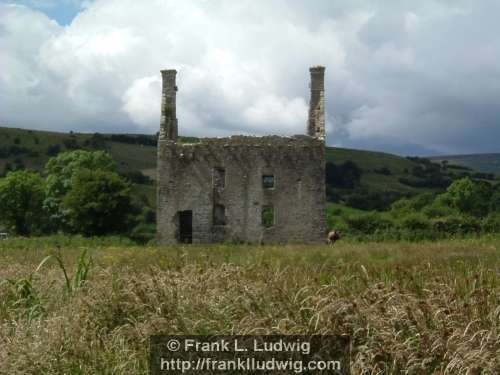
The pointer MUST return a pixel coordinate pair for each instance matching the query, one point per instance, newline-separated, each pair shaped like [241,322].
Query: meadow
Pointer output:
[88,306]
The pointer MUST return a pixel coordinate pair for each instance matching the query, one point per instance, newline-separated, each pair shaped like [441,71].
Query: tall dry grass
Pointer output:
[431,308]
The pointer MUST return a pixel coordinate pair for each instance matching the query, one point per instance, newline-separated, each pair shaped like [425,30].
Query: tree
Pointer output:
[344,176]
[60,171]
[469,197]
[98,203]
[495,201]
[53,150]
[21,198]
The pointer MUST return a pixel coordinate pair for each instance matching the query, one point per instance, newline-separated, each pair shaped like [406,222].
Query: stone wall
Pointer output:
[190,180]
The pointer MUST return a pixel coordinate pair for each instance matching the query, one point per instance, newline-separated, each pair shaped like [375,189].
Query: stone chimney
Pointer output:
[168,122]
[316,122]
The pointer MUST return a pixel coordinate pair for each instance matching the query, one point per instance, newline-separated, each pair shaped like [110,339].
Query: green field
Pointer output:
[429,308]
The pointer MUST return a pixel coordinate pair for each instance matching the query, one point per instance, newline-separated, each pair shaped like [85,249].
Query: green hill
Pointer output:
[372,163]
[487,163]
[383,177]
[32,148]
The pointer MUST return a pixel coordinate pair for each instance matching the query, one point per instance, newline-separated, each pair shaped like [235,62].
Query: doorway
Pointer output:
[186,226]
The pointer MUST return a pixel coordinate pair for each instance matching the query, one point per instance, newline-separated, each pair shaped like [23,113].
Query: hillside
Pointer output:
[383,177]
[374,180]
[33,148]
[372,164]
[487,163]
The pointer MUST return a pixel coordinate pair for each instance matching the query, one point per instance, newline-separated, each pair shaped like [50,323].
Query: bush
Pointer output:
[71,144]
[414,222]
[143,233]
[439,208]
[470,197]
[491,224]
[53,150]
[368,223]
[416,203]
[336,219]
[456,225]
[495,201]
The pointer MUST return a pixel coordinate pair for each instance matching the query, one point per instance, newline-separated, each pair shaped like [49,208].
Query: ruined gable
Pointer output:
[248,189]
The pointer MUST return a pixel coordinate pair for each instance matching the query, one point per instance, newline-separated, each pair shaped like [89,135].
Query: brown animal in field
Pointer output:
[332,237]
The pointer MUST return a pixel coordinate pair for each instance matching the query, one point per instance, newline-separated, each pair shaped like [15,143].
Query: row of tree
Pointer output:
[78,192]
[466,207]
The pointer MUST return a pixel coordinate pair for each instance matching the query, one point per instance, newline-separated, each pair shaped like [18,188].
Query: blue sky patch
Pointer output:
[62,11]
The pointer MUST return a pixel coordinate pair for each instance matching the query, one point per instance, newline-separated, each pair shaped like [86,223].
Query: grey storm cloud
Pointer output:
[402,76]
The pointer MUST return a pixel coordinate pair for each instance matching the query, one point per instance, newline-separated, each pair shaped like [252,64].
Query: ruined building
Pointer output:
[249,189]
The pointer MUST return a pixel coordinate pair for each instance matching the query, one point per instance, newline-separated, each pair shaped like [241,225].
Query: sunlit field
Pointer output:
[75,306]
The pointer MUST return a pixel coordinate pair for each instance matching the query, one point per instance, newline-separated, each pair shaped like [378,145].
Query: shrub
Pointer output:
[470,197]
[53,150]
[368,223]
[98,203]
[71,144]
[143,233]
[491,224]
[457,225]
[495,201]
[414,222]
[438,208]
[416,203]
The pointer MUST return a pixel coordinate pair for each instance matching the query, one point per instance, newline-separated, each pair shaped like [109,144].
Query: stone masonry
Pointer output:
[245,189]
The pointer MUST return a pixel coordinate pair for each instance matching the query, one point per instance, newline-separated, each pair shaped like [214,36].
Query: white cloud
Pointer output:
[140,101]
[423,74]
[288,116]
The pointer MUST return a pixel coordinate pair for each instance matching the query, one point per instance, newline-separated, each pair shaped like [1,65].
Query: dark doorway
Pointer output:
[186,226]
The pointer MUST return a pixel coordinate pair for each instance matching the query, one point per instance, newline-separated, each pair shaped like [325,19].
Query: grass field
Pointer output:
[428,308]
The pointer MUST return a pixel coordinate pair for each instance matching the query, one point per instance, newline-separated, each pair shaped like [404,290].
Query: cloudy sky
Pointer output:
[408,77]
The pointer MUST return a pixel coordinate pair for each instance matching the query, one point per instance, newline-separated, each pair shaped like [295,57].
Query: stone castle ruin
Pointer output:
[242,188]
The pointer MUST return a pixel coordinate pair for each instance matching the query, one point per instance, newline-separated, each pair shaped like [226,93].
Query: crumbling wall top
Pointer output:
[243,140]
